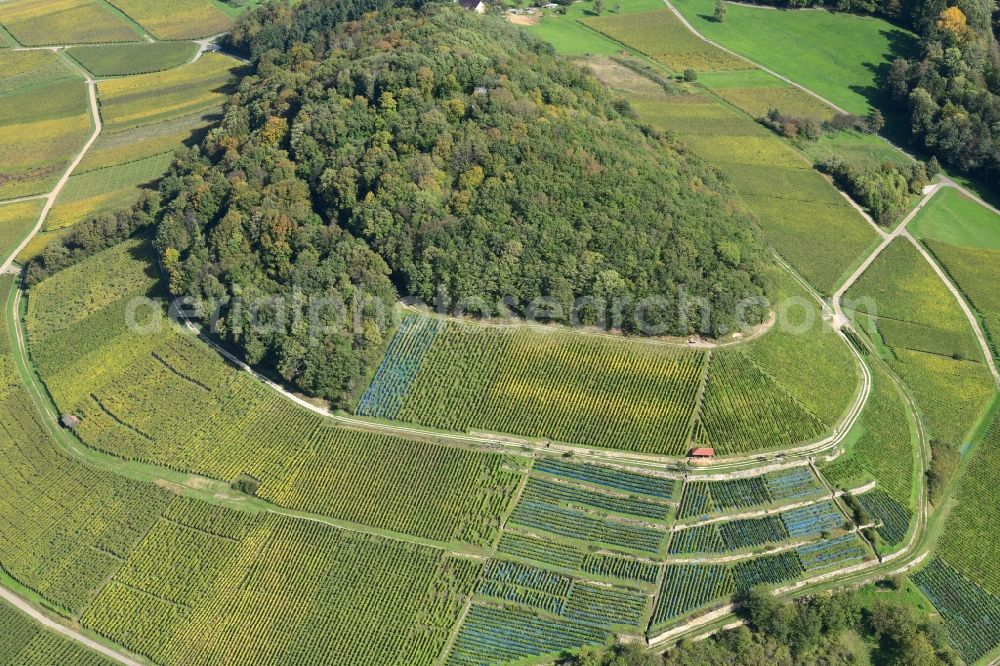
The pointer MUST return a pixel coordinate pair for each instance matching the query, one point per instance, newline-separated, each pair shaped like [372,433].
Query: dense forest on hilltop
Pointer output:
[428,151]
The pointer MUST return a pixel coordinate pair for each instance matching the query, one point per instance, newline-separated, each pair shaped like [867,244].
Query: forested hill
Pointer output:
[433,150]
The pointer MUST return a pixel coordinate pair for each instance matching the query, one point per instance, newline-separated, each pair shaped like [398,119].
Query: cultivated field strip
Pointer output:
[702,499]
[225,425]
[616,393]
[951,389]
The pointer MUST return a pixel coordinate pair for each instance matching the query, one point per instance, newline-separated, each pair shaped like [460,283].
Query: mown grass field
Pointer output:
[953,218]
[16,220]
[151,98]
[837,55]
[802,215]
[180,19]
[901,303]
[43,22]
[166,399]
[126,59]
[964,237]
[41,128]
[21,70]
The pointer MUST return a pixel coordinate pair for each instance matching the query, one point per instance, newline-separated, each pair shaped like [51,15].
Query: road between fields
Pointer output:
[44,620]
[50,199]
[900,230]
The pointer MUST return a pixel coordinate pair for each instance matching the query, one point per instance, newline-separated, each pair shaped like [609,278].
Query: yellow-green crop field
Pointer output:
[28,69]
[787,99]
[756,92]
[618,393]
[15,221]
[150,98]
[43,22]
[177,19]
[660,36]
[164,398]
[129,145]
[902,304]
[105,190]
[40,130]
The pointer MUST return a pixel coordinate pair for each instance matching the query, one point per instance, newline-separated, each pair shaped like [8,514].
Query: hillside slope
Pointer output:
[438,153]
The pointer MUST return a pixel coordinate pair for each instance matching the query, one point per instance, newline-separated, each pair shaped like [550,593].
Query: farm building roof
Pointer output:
[702,452]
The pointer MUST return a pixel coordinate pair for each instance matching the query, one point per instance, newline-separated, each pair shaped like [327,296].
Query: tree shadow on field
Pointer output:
[902,44]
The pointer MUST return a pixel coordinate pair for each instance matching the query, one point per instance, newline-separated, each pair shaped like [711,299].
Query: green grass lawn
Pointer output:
[953,218]
[835,55]
[570,37]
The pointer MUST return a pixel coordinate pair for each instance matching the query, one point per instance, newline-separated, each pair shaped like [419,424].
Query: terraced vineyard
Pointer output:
[744,533]
[524,634]
[702,498]
[893,517]
[687,588]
